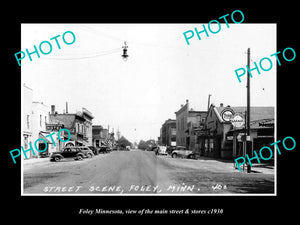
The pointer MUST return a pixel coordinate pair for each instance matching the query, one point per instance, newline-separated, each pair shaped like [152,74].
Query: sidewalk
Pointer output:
[32,161]
[265,168]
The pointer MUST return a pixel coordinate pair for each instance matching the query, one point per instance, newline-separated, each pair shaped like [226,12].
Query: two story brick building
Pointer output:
[168,133]
[187,120]
[79,124]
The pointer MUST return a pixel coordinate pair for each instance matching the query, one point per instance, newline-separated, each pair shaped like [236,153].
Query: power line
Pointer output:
[95,55]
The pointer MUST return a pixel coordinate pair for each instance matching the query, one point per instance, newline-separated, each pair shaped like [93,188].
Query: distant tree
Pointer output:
[123,142]
[142,145]
[146,144]
[151,142]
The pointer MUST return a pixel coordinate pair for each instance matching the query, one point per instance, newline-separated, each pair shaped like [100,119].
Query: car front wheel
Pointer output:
[174,155]
[57,158]
[79,157]
[192,156]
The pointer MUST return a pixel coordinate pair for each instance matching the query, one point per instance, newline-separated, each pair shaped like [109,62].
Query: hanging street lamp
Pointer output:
[125,55]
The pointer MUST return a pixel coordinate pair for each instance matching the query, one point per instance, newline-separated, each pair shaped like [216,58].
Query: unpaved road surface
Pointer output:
[140,172]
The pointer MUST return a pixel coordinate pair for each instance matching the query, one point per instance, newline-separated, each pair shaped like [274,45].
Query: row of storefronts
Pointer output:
[215,133]
[220,139]
[38,122]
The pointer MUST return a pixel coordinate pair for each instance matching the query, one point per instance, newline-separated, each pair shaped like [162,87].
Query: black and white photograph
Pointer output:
[150,109]
[135,111]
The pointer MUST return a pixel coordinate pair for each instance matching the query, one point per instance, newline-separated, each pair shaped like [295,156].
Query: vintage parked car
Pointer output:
[104,149]
[170,149]
[161,150]
[94,149]
[181,151]
[75,152]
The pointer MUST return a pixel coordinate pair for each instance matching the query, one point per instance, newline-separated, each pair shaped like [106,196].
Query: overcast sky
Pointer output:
[162,71]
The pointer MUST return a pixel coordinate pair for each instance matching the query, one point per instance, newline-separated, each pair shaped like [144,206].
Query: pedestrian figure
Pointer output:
[156,151]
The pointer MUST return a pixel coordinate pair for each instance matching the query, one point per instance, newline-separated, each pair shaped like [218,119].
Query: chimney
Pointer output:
[66,107]
[52,109]
[221,105]
[187,103]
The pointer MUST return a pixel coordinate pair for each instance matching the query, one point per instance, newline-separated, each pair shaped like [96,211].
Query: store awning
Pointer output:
[41,136]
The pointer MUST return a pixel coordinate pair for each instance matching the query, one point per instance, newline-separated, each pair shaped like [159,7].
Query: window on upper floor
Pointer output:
[84,130]
[27,121]
[173,131]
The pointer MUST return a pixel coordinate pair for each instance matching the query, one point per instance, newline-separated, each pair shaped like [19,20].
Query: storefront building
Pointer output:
[77,124]
[219,139]
[187,120]
[168,133]
[261,134]
[27,117]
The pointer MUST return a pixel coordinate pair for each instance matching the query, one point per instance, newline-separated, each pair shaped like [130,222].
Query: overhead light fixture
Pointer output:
[125,55]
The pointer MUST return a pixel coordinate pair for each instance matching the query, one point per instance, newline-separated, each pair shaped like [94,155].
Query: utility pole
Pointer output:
[248,108]
[208,102]
[248,93]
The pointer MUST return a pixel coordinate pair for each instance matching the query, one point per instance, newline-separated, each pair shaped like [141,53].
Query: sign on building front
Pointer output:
[238,120]
[227,114]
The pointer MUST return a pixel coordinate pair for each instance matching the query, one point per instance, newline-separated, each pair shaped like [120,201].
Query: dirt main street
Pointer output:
[140,172]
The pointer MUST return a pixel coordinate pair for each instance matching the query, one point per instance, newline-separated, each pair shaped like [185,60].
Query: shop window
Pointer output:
[206,145]
[26,142]
[211,145]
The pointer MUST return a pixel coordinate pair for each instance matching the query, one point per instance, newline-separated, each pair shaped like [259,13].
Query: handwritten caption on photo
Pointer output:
[118,189]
